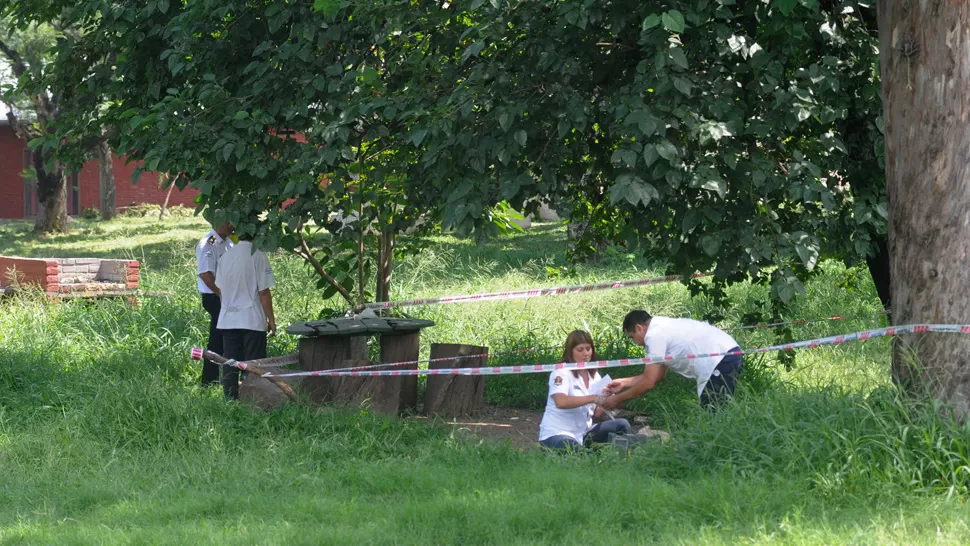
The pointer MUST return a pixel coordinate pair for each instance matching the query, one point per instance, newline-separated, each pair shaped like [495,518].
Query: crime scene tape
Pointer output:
[530,293]
[286,360]
[538,368]
[795,322]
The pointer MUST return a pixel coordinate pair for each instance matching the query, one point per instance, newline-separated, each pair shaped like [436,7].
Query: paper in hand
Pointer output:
[597,387]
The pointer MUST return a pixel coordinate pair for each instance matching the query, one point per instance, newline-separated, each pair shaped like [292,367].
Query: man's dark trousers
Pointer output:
[241,345]
[210,371]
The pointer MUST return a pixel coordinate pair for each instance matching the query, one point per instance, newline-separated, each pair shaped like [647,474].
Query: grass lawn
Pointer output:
[105,437]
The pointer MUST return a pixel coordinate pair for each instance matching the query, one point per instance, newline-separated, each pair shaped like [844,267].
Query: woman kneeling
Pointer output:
[567,423]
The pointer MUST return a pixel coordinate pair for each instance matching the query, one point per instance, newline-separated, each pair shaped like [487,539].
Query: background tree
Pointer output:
[309,118]
[32,115]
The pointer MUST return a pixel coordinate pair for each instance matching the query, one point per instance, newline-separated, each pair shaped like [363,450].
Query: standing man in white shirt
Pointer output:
[678,338]
[207,253]
[244,278]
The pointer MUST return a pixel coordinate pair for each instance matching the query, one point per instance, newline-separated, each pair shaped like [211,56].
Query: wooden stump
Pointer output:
[455,395]
[381,394]
[403,348]
[263,393]
[327,353]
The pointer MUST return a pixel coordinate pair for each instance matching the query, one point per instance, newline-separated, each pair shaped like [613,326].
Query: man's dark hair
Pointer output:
[635,317]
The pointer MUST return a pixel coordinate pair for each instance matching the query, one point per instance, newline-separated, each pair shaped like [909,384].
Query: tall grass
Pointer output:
[105,436]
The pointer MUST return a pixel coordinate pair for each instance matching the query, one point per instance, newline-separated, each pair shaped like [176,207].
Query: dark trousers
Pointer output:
[210,370]
[599,434]
[240,345]
[721,385]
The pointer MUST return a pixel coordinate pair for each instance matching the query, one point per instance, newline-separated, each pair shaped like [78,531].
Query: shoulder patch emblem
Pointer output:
[558,380]
[212,240]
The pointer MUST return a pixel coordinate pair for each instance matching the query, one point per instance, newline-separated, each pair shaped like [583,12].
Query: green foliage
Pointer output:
[741,138]
[738,137]
[91,213]
[150,210]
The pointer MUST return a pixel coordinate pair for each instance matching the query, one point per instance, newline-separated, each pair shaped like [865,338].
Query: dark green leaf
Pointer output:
[650,21]
[472,51]
[667,150]
[786,6]
[673,21]
[677,55]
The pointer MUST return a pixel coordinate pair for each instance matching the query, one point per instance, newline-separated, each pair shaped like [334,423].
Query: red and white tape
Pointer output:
[530,293]
[286,360]
[539,368]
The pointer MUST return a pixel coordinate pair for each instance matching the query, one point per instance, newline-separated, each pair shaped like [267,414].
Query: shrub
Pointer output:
[91,213]
[143,210]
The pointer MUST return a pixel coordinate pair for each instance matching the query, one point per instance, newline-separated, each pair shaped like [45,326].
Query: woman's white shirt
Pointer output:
[570,422]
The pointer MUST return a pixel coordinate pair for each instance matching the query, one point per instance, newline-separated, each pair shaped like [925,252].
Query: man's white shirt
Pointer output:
[679,337]
[242,275]
[207,254]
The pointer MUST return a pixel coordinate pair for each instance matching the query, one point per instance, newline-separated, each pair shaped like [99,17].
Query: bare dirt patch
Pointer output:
[517,427]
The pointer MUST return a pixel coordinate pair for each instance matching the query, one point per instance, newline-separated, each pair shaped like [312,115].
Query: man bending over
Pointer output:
[677,338]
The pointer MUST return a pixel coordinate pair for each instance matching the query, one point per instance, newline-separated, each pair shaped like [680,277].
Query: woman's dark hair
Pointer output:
[574,339]
[633,318]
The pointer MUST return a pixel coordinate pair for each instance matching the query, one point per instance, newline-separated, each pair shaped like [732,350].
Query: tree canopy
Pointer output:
[738,136]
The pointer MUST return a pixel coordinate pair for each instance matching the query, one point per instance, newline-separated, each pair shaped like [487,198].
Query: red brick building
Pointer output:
[18,194]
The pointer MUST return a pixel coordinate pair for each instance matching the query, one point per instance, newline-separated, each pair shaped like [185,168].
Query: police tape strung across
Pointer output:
[539,368]
[285,360]
[530,293]
[795,322]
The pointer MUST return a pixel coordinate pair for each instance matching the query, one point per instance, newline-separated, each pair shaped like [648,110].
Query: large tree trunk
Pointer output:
[879,268]
[925,63]
[52,196]
[106,181]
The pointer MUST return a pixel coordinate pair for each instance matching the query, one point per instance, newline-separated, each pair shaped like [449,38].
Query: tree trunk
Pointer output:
[925,63]
[106,181]
[168,195]
[52,197]
[455,395]
[879,269]
[385,258]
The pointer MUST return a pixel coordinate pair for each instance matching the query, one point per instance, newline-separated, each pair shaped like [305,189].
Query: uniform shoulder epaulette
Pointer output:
[211,241]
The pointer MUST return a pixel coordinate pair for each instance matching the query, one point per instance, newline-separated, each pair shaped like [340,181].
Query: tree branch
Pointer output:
[307,255]
[16,60]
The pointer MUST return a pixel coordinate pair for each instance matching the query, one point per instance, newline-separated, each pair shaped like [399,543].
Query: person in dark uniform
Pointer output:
[207,254]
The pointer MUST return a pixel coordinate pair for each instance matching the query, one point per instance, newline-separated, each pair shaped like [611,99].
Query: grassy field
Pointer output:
[106,439]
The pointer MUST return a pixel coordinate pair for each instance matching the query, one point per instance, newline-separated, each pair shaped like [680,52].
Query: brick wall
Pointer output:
[146,190]
[11,165]
[30,271]
[69,274]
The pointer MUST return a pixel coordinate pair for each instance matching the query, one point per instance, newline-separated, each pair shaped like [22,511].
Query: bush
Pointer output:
[143,210]
[91,213]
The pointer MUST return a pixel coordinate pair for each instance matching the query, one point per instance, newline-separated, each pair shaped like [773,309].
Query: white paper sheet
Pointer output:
[597,387]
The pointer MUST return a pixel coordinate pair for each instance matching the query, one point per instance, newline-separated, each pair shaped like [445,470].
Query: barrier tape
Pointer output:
[286,360]
[538,368]
[795,322]
[530,293]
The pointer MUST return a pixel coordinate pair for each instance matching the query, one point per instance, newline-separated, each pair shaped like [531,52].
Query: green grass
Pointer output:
[105,438]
